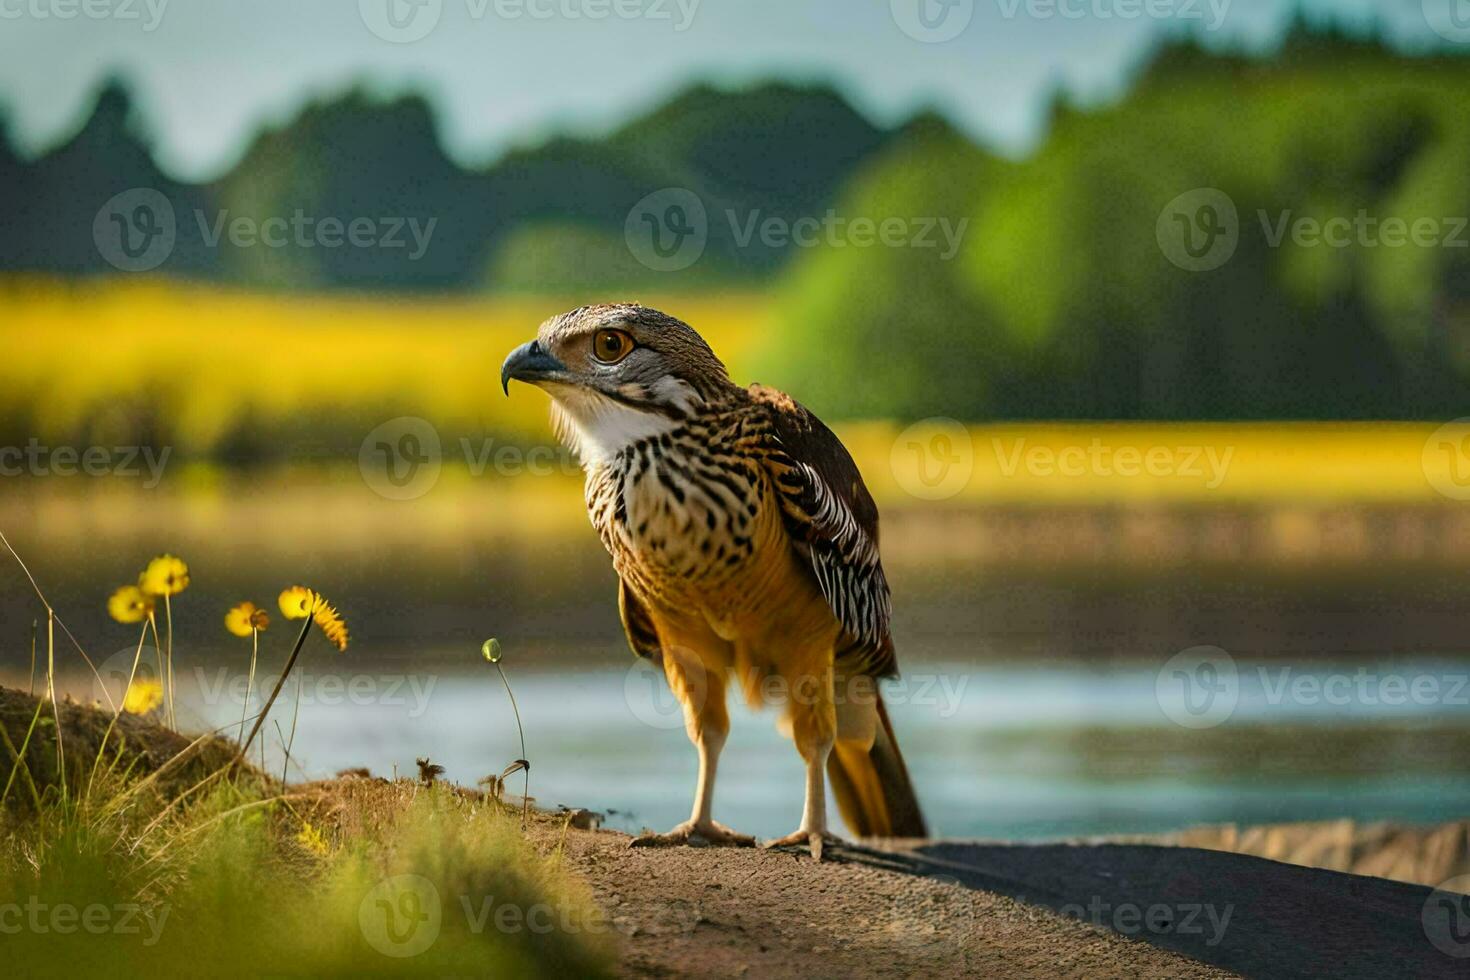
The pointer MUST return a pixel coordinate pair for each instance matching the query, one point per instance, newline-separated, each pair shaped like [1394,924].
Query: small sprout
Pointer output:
[490,649]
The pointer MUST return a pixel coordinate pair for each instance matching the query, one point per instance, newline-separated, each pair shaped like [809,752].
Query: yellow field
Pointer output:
[211,357]
[211,361]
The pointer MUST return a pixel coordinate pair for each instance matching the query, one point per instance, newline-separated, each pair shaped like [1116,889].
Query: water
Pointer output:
[1033,640]
[1014,752]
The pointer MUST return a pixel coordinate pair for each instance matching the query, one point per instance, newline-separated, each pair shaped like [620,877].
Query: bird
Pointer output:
[746,548]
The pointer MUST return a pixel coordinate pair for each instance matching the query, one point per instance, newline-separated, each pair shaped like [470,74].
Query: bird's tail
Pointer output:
[872,785]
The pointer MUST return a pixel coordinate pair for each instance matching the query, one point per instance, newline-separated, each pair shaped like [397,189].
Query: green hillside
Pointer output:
[1063,301]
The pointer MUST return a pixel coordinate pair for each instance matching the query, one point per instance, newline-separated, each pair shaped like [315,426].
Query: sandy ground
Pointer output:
[950,909]
[737,912]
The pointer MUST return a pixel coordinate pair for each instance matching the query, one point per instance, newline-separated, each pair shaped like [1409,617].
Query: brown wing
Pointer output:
[832,519]
[642,638]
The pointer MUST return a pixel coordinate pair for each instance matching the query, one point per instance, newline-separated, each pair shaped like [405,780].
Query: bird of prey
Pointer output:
[745,544]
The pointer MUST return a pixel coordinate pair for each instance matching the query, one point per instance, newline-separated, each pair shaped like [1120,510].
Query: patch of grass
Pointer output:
[234,875]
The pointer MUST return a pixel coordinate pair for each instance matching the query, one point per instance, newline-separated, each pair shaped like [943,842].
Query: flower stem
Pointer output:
[158,651]
[102,749]
[526,788]
[51,694]
[275,692]
[249,682]
[291,741]
[168,613]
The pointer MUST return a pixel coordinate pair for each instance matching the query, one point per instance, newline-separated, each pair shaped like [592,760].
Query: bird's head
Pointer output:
[617,374]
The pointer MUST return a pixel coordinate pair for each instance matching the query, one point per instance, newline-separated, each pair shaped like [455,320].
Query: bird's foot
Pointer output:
[813,840]
[694,833]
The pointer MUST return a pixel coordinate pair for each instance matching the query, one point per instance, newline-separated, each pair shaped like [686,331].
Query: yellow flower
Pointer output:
[143,697]
[311,838]
[165,575]
[245,618]
[298,602]
[130,604]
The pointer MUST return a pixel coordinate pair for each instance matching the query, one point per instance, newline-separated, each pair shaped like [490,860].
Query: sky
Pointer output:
[209,73]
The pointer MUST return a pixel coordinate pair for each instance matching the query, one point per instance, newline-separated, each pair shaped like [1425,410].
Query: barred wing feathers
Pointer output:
[833,523]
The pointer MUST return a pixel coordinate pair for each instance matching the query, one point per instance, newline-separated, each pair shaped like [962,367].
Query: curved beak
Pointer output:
[529,363]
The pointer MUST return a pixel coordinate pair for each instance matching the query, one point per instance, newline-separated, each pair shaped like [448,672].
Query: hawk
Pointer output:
[746,546]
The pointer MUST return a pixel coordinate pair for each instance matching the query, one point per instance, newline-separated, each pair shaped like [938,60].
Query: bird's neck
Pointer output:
[597,429]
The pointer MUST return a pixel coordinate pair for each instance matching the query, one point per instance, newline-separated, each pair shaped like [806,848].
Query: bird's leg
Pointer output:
[813,728]
[703,696]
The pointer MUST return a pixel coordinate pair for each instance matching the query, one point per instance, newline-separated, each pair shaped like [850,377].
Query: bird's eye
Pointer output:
[611,346]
